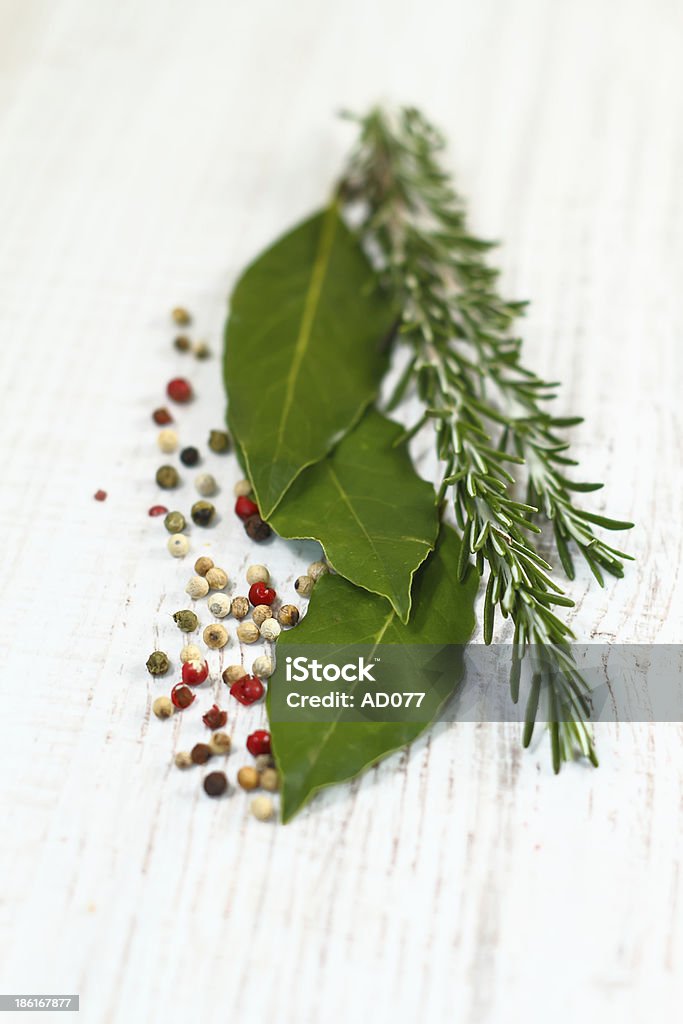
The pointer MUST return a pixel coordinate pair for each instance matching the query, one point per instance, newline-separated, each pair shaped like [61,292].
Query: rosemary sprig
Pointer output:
[486,407]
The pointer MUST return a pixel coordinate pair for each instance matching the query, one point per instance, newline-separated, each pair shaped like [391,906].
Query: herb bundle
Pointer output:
[325,305]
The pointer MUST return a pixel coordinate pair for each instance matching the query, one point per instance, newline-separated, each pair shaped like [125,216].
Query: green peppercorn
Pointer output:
[180,316]
[167,477]
[182,343]
[219,442]
[158,663]
[202,513]
[175,522]
[189,456]
[186,621]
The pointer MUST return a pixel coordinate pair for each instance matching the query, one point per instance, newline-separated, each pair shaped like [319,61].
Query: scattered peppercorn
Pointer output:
[215,718]
[189,456]
[219,605]
[263,666]
[200,753]
[180,316]
[183,759]
[185,620]
[247,690]
[162,707]
[197,587]
[202,350]
[260,613]
[161,417]
[247,632]
[182,343]
[215,784]
[288,615]
[175,522]
[317,569]
[257,529]
[195,672]
[270,629]
[202,513]
[242,489]
[262,808]
[206,485]
[157,510]
[219,442]
[191,652]
[220,743]
[215,636]
[270,780]
[100,495]
[240,607]
[167,440]
[217,578]
[158,663]
[257,574]
[182,696]
[260,593]
[167,477]
[304,585]
[202,565]
[263,761]
[259,742]
[232,673]
[245,507]
[178,545]
[248,777]
[179,389]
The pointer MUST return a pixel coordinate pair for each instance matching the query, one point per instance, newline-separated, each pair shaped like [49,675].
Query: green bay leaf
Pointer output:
[374,516]
[312,755]
[303,351]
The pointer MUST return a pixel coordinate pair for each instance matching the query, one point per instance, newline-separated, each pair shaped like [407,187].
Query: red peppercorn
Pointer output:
[247,690]
[245,507]
[157,510]
[259,742]
[182,696]
[195,672]
[100,495]
[162,417]
[215,718]
[261,593]
[179,389]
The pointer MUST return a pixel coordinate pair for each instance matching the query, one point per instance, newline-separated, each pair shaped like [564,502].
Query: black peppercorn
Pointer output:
[256,528]
[189,456]
[202,513]
[200,753]
[167,477]
[215,784]
[219,441]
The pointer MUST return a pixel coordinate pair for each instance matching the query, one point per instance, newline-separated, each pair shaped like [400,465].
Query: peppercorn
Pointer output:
[259,593]
[175,522]
[304,585]
[157,510]
[195,672]
[219,442]
[248,777]
[217,578]
[270,629]
[247,632]
[180,316]
[263,761]
[220,743]
[219,605]
[202,513]
[202,565]
[270,780]
[259,742]
[167,440]
[260,613]
[163,707]
[200,753]
[257,574]
[182,696]
[167,477]
[183,759]
[189,456]
[191,652]
[245,507]
[178,545]
[186,621]
[263,666]
[215,718]
[179,389]
[197,587]
[242,489]
[215,784]
[202,350]
[256,529]
[232,673]
[100,495]
[161,417]
[317,569]
[240,607]
[288,615]
[182,343]
[206,485]
[262,808]
[158,663]
[215,636]
[247,690]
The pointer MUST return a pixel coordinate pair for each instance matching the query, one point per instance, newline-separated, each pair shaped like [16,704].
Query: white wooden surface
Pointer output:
[147,150]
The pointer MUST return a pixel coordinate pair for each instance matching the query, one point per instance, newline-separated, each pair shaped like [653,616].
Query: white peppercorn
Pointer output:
[262,808]
[317,569]
[163,707]
[191,652]
[217,578]
[270,629]
[232,673]
[197,587]
[178,545]
[263,761]
[262,667]
[304,586]
[167,440]
[215,636]
[220,743]
[183,759]
[219,605]
[202,565]
[270,780]
[240,607]
[248,632]
[288,615]
[260,613]
[206,485]
[257,574]
[248,777]
[180,316]
[242,489]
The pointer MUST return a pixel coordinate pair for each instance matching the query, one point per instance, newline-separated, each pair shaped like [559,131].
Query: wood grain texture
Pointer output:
[147,151]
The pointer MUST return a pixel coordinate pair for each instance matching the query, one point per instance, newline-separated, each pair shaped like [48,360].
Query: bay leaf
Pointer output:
[312,755]
[304,351]
[374,516]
